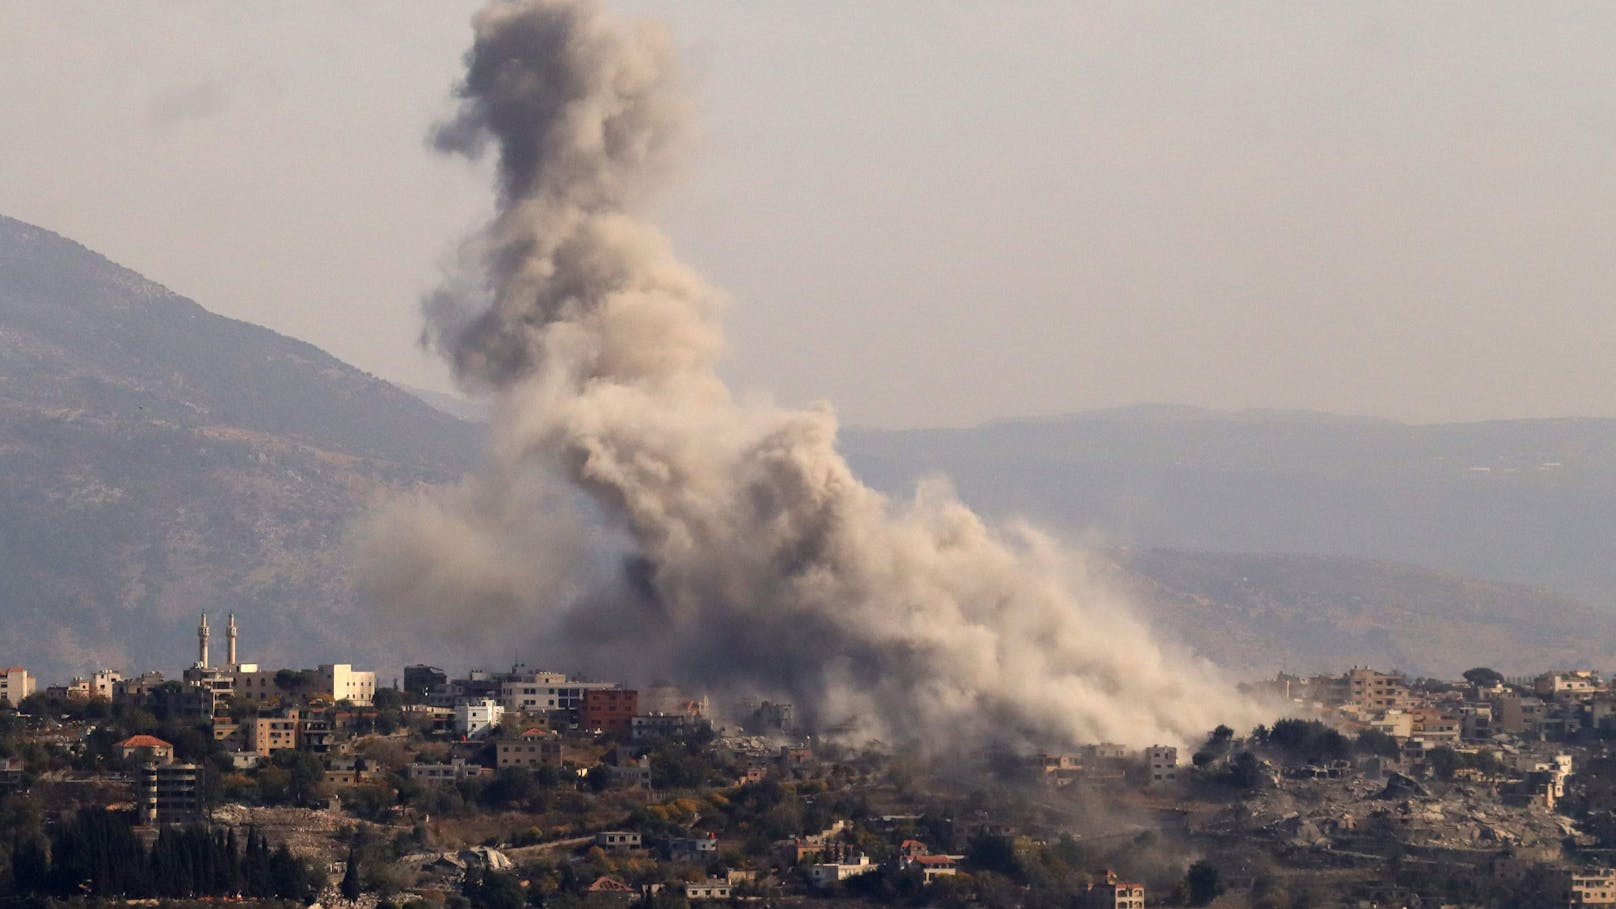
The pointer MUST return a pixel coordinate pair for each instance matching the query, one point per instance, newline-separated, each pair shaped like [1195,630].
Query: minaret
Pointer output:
[202,642]
[230,642]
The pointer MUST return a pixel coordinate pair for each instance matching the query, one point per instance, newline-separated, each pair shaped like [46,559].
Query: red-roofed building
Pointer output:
[146,746]
[609,892]
[535,747]
[933,867]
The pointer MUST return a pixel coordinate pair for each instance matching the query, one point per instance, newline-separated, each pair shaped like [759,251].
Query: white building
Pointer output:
[444,773]
[824,875]
[474,717]
[535,692]
[15,684]
[341,682]
[618,840]
[1163,762]
[103,682]
[714,888]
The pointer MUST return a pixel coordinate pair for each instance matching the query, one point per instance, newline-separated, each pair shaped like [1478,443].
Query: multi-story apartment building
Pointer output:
[472,718]
[1370,690]
[341,682]
[1163,763]
[610,709]
[539,692]
[1575,683]
[1590,887]
[267,734]
[15,684]
[170,794]
[420,678]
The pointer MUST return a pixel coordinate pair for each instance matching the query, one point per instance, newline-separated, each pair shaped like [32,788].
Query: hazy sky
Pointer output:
[927,213]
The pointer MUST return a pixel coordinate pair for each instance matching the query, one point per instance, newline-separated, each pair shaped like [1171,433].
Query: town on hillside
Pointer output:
[234,781]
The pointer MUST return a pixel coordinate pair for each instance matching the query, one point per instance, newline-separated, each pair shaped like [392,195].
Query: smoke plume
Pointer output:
[746,557]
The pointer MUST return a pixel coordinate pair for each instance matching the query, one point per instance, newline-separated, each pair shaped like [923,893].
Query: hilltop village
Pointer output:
[504,789]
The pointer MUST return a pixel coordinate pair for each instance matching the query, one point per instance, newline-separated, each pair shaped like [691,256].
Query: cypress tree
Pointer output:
[350,876]
[30,867]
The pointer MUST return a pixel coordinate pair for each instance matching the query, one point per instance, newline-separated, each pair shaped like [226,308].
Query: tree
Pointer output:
[350,876]
[387,699]
[1203,883]
[1373,741]
[1483,677]
[1444,761]
[30,869]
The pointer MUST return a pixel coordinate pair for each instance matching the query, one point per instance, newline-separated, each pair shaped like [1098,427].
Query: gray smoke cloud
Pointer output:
[745,556]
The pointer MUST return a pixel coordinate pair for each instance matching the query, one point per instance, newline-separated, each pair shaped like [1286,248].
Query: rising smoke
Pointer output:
[747,557]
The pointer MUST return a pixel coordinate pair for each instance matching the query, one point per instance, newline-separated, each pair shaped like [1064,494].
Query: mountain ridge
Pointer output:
[1519,501]
[161,460]
[158,460]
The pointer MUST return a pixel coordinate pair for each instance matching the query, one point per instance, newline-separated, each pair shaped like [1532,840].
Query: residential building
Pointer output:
[1436,727]
[609,709]
[824,875]
[1060,770]
[15,684]
[346,771]
[1590,887]
[1476,722]
[1570,684]
[538,692]
[1109,892]
[146,748]
[272,732]
[1396,723]
[248,683]
[420,678]
[617,840]
[664,698]
[341,682]
[10,776]
[1105,751]
[170,794]
[662,725]
[713,888]
[932,867]
[634,773]
[1370,690]
[693,849]
[139,688]
[314,733]
[1163,763]
[473,718]
[1518,715]
[104,683]
[444,773]
[533,748]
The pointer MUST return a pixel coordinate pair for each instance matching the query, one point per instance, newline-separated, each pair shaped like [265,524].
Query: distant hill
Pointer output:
[158,460]
[1523,501]
[1257,614]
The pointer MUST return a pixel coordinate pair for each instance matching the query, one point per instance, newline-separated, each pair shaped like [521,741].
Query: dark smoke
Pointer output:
[753,560]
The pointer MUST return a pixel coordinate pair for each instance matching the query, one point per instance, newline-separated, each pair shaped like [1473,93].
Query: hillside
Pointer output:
[157,460]
[1529,501]
[1257,614]
[160,460]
